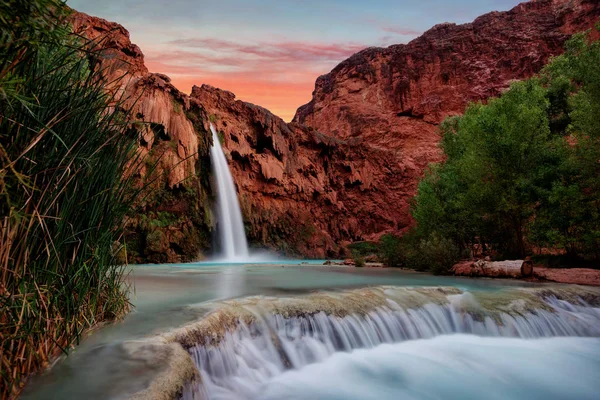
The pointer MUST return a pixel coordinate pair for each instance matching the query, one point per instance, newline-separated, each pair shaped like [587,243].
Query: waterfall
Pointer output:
[229,215]
[277,339]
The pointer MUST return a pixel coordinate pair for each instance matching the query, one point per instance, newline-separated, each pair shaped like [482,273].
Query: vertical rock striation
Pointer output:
[172,222]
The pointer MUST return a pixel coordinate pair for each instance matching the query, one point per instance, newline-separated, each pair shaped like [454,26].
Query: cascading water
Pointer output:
[278,353]
[234,246]
[450,367]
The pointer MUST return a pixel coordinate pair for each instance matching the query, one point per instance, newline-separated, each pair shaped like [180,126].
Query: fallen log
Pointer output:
[494,269]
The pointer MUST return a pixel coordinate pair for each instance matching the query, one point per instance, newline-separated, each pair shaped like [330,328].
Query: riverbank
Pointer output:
[541,274]
[577,276]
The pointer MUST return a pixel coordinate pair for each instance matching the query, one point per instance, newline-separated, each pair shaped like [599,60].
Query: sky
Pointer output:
[270,52]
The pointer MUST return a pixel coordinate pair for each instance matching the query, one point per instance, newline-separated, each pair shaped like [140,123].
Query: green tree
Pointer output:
[569,217]
[522,168]
[500,158]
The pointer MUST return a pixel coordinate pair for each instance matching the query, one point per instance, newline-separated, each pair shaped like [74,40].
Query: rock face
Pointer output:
[396,97]
[171,223]
[301,191]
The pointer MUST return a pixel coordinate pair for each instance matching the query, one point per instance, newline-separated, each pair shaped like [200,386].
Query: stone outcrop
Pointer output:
[396,97]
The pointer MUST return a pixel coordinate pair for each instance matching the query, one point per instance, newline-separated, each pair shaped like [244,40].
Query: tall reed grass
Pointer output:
[64,191]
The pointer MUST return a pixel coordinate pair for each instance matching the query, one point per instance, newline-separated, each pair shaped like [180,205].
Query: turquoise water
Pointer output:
[161,295]
[450,367]
[160,291]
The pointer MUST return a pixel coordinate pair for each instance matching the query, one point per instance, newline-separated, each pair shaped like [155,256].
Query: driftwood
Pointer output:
[494,269]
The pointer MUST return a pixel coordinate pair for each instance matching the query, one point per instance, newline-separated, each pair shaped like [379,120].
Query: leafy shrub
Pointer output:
[438,254]
[364,248]
[390,252]
[433,253]
[64,153]
[359,261]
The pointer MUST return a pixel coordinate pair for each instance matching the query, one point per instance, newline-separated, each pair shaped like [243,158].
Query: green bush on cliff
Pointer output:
[63,156]
[364,249]
[522,169]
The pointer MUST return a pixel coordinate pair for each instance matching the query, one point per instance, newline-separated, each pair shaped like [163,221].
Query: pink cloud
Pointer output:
[279,51]
[401,31]
[387,27]
[278,75]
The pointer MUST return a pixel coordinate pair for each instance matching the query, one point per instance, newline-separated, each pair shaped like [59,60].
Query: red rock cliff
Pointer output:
[172,221]
[302,191]
[394,98]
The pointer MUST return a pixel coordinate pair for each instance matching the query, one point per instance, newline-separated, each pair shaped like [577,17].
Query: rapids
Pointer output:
[450,367]
[273,336]
[212,331]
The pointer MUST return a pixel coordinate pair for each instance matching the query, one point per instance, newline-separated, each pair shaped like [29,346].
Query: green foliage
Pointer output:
[359,261]
[63,156]
[363,248]
[521,169]
[390,251]
[160,219]
[176,106]
[569,216]
[434,254]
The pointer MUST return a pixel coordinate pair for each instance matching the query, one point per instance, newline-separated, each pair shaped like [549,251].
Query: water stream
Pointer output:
[232,237]
[295,331]
[273,356]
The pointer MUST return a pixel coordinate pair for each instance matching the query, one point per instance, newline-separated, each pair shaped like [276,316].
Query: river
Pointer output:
[296,329]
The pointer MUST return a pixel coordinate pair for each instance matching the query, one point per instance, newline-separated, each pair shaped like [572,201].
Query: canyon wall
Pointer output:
[346,168]
[395,97]
[303,192]
[172,218]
